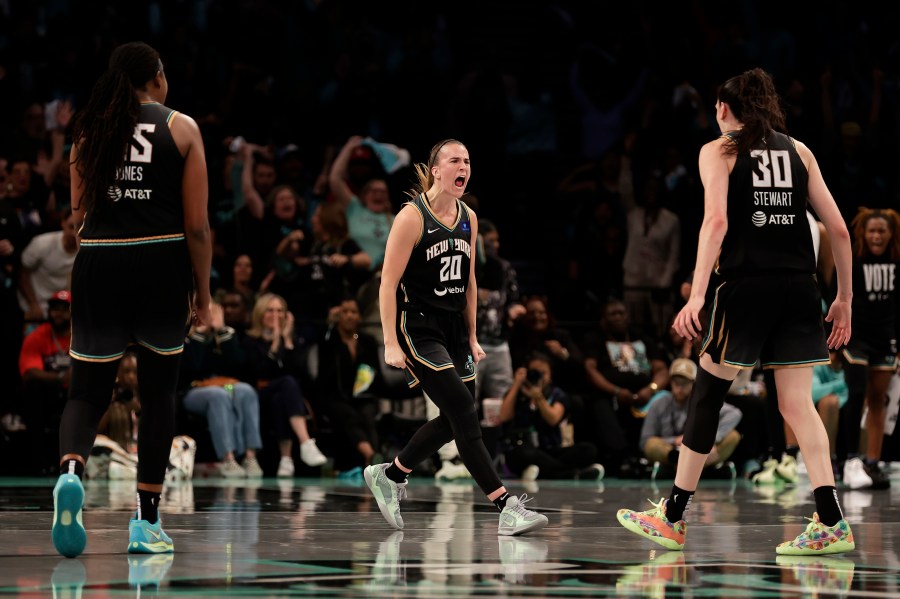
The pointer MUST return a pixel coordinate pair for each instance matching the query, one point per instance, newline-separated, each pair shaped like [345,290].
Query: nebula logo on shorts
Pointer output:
[470,363]
[759,218]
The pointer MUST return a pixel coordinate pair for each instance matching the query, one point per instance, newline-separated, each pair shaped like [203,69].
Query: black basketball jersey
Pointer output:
[437,274]
[146,195]
[875,299]
[767,225]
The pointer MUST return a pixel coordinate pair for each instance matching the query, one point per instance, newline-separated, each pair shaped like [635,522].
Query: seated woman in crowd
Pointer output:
[210,369]
[271,354]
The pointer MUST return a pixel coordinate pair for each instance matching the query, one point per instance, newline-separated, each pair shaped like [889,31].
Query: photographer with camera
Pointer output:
[535,410]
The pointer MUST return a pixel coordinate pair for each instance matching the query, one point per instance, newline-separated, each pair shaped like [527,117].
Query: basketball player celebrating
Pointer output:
[428,302]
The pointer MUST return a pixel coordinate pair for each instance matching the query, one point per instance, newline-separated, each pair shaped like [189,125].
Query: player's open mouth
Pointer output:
[460,182]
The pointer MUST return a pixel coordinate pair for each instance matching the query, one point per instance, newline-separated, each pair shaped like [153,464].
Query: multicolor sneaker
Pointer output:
[68,533]
[516,519]
[824,575]
[144,537]
[653,525]
[819,539]
[387,493]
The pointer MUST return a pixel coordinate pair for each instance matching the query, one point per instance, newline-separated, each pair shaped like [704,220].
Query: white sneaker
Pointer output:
[231,469]
[787,469]
[516,519]
[387,493]
[286,467]
[252,468]
[531,473]
[855,475]
[451,471]
[311,455]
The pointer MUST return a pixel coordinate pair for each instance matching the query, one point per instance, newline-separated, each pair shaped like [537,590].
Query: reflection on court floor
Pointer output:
[326,538]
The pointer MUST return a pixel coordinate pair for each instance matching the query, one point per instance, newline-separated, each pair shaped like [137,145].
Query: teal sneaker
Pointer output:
[387,493]
[68,533]
[144,537]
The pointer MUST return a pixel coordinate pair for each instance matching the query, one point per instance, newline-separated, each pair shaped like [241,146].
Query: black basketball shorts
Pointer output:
[125,293]
[773,318]
[436,342]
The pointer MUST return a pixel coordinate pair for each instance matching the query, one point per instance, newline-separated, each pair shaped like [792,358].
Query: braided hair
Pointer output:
[104,127]
[755,103]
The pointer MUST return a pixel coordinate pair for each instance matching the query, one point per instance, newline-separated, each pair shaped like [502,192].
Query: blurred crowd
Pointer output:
[583,124]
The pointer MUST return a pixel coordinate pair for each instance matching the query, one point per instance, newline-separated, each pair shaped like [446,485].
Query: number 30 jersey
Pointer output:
[437,274]
[768,230]
[145,199]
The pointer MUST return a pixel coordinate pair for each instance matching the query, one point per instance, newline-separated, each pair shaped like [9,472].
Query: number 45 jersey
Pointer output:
[437,274]
[768,230]
[144,202]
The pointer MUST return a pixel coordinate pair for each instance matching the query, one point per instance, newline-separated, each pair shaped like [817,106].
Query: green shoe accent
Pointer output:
[819,539]
[144,537]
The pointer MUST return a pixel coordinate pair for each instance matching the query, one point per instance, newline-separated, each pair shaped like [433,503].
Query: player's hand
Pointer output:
[394,356]
[477,353]
[839,315]
[200,314]
[687,323]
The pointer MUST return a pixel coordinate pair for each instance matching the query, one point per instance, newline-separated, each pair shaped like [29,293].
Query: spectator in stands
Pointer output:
[665,418]
[44,366]
[242,278]
[272,359]
[651,259]
[498,306]
[369,209]
[314,272]
[348,367]
[236,311]
[536,330]
[534,409]
[119,423]
[46,267]
[212,363]
[623,371]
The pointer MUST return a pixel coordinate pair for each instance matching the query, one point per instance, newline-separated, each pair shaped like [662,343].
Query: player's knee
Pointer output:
[705,403]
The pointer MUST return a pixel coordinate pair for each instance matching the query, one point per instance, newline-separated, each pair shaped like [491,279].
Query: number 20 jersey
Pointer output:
[437,274]
[768,230]
[145,199]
